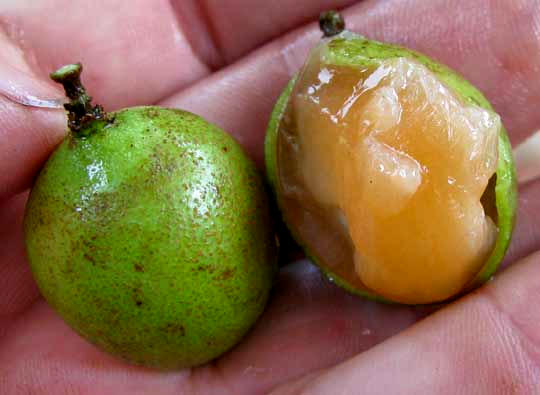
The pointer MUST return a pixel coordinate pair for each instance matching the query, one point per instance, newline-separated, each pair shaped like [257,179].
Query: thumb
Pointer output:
[29,131]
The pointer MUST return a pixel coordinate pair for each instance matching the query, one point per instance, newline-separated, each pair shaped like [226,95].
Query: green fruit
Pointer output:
[148,231]
[312,223]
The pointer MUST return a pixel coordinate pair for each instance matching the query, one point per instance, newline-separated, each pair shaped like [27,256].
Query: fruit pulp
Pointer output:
[402,163]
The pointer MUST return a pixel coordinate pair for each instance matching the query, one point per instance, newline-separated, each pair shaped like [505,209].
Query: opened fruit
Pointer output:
[392,171]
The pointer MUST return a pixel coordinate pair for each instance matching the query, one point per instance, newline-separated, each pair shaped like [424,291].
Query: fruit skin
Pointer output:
[349,49]
[149,233]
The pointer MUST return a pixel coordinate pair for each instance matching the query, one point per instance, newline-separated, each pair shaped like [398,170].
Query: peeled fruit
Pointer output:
[392,171]
[148,231]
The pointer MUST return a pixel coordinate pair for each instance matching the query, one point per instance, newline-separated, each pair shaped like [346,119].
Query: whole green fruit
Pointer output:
[148,231]
[308,221]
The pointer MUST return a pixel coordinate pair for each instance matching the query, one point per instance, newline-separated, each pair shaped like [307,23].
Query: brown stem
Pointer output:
[80,109]
[331,23]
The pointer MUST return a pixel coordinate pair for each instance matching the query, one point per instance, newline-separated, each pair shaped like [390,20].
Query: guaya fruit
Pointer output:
[148,231]
[392,171]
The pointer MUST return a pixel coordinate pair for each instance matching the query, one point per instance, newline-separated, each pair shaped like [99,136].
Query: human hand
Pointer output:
[229,64]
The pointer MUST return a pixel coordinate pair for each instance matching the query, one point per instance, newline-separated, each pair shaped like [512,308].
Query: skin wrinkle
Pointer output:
[226,387]
[194,22]
[5,324]
[514,356]
[16,53]
[293,50]
[91,363]
[515,60]
[266,24]
[299,386]
[211,28]
[524,331]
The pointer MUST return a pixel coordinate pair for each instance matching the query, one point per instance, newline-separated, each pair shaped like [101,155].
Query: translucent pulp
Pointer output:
[404,164]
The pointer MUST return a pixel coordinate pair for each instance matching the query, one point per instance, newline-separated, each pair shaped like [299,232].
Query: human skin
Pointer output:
[229,64]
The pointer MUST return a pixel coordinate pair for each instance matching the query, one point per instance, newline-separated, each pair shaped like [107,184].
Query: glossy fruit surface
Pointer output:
[380,159]
[148,231]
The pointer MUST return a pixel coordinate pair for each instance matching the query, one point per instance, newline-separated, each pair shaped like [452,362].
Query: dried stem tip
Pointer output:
[331,23]
[80,109]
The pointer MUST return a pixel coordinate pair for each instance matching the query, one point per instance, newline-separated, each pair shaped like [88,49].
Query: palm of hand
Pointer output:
[204,58]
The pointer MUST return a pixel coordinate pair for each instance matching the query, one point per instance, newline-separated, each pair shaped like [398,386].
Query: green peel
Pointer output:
[148,230]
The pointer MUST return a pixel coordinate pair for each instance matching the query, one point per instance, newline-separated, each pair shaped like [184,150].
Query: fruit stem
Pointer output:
[331,23]
[80,109]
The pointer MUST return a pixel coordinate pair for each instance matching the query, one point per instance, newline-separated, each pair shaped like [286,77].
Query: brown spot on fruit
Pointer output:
[90,259]
[137,297]
[151,113]
[175,329]
[226,274]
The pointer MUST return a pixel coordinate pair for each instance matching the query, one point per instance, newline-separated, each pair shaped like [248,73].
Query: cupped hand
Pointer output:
[227,61]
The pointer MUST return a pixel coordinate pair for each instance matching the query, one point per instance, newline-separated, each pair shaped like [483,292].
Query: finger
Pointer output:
[243,25]
[140,52]
[527,158]
[242,96]
[494,43]
[17,289]
[526,237]
[133,52]
[486,344]
[41,355]
[28,134]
